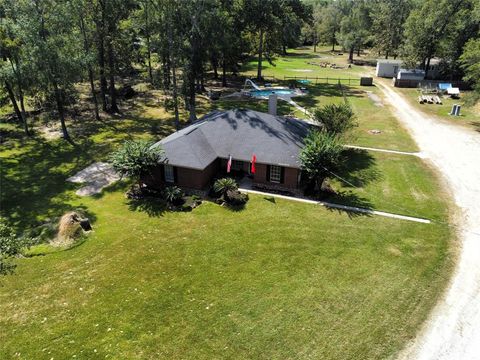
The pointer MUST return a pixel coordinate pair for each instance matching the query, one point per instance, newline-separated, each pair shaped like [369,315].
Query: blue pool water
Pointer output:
[261,93]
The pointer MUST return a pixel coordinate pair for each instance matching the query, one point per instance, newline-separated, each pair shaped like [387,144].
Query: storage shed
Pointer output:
[388,68]
[410,74]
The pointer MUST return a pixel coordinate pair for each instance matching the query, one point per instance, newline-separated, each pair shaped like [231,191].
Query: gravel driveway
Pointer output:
[453,331]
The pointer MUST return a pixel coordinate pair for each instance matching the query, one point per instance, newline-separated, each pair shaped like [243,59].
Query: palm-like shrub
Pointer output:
[336,119]
[321,156]
[221,186]
[173,194]
[136,159]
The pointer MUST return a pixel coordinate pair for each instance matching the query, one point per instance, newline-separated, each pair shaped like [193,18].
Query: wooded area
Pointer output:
[47,46]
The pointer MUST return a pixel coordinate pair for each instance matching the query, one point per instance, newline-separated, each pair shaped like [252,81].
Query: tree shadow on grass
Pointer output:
[312,99]
[348,198]
[358,171]
[33,181]
[153,207]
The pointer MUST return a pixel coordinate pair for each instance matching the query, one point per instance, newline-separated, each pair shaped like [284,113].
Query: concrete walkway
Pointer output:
[418,154]
[339,207]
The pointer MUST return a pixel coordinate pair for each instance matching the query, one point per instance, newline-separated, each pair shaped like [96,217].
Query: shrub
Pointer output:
[221,186]
[136,159]
[236,198]
[10,246]
[336,119]
[173,194]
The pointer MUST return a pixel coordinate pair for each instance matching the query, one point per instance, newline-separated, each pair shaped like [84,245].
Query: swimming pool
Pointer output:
[264,93]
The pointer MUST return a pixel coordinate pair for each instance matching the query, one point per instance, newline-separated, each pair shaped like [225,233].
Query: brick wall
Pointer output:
[289,180]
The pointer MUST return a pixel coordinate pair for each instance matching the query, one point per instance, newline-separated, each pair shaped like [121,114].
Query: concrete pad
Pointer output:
[96,177]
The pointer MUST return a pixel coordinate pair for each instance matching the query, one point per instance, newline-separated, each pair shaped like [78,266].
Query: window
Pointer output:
[169,174]
[275,173]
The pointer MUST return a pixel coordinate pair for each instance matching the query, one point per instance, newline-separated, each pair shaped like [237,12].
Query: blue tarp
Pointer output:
[444,86]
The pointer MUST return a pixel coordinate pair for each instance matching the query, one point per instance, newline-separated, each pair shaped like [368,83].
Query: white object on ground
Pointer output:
[96,176]
[452,332]
[339,207]
[419,154]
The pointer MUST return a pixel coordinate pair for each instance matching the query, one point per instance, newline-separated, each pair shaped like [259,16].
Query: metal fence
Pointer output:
[327,80]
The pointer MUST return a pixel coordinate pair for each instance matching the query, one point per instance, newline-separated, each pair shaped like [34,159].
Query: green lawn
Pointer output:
[394,183]
[303,62]
[220,284]
[371,115]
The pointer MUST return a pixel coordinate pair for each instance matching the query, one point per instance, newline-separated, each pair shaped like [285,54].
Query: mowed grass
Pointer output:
[399,184]
[303,62]
[469,115]
[278,280]
[370,115]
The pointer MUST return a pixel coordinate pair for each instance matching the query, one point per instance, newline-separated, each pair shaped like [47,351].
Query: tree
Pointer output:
[355,27]
[388,19]
[428,26]
[136,159]
[52,49]
[266,20]
[320,157]
[328,20]
[336,119]
[470,60]
[13,65]
[10,246]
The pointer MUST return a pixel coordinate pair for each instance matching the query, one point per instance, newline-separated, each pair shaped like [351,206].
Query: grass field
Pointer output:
[277,280]
[220,284]
[303,62]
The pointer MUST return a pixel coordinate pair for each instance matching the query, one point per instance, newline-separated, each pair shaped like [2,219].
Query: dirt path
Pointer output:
[453,331]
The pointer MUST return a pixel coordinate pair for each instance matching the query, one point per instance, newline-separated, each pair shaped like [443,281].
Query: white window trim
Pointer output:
[169,175]
[275,176]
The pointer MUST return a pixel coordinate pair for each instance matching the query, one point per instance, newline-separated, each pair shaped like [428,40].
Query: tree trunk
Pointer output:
[94,93]
[333,42]
[427,66]
[111,68]
[386,54]
[149,50]
[260,54]
[61,112]
[214,62]
[315,42]
[24,113]
[358,51]
[11,95]
[172,61]
[86,47]
[224,72]
[284,49]
[101,65]
[166,69]
[350,55]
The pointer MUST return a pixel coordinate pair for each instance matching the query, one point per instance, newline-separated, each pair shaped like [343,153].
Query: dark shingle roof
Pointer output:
[274,139]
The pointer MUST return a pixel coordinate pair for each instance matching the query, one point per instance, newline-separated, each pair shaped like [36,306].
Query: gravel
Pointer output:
[452,332]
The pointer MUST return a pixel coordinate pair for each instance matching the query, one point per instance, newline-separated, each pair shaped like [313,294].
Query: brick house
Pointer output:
[197,154]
